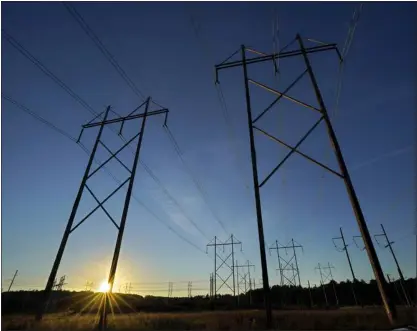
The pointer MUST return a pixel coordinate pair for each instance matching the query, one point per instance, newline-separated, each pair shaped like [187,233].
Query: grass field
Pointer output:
[343,319]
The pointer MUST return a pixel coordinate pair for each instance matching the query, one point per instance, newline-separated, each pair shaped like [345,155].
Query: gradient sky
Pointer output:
[169,50]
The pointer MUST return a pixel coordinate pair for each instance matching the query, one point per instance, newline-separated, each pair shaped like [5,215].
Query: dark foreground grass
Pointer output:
[343,319]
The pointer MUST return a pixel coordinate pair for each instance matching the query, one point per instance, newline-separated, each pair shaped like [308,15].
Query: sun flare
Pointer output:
[104,287]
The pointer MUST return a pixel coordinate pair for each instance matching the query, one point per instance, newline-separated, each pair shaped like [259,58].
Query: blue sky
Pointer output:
[157,45]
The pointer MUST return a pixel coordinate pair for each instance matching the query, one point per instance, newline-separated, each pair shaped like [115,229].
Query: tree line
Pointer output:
[330,296]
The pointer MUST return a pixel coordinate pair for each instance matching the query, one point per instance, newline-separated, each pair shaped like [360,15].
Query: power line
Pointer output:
[164,189]
[153,176]
[18,46]
[87,151]
[47,72]
[231,135]
[90,33]
[39,118]
[348,42]
[198,185]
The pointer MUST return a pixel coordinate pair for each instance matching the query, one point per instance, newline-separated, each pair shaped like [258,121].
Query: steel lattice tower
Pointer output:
[101,124]
[227,263]
[343,172]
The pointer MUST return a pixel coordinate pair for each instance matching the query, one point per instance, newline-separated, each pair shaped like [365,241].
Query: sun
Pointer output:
[104,287]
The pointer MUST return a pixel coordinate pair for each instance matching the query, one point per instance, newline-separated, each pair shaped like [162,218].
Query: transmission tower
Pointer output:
[60,284]
[322,110]
[190,287]
[211,286]
[170,289]
[243,283]
[88,286]
[344,248]
[327,275]
[101,124]
[389,245]
[285,265]
[226,263]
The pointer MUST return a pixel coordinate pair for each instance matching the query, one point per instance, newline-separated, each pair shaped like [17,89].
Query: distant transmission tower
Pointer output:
[211,286]
[243,283]
[190,287]
[327,275]
[89,286]
[227,263]
[59,286]
[343,173]
[288,272]
[389,245]
[170,289]
[101,124]
[344,248]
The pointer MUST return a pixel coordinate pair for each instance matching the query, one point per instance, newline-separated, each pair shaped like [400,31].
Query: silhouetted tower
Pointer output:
[226,262]
[101,124]
[327,275]
[190,287]
[289,272]
[343,173]
[243,278]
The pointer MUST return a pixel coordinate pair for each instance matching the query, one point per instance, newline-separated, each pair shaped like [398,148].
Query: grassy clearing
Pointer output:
[346,319]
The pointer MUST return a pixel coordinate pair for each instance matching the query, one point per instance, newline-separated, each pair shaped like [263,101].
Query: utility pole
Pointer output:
[389,245]
[227,262]
[286,265]
[100,204]
[349,261]
[11,283]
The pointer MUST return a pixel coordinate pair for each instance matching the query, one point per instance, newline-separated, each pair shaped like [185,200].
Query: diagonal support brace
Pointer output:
[101,203]
[102,207]
[269,89]
[114,155]
[298,152]
[280,96]
[291,152]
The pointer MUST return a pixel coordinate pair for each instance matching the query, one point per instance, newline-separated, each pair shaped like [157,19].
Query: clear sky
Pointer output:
[169,51]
